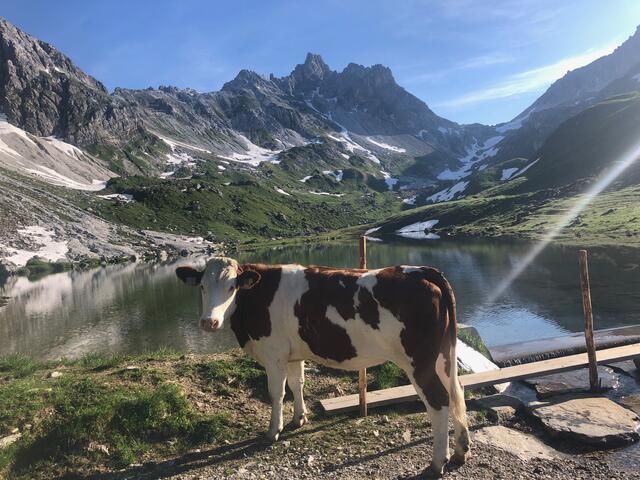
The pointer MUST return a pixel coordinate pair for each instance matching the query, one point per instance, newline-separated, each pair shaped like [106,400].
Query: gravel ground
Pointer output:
[389,444]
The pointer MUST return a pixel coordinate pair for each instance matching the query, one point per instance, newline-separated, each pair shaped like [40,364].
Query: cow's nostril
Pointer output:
[209,324]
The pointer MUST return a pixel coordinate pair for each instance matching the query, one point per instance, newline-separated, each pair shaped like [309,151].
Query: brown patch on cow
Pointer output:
[368,308]
[416,299]
[327,287]
[251,320]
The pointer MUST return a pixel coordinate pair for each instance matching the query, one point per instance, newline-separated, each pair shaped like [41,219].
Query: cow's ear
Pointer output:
[189,275]
[247,279]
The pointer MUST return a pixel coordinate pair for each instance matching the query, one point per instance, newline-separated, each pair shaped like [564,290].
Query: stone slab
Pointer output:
[592,420]
[524,446]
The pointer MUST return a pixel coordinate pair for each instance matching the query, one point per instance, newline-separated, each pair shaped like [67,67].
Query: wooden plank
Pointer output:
[407,393]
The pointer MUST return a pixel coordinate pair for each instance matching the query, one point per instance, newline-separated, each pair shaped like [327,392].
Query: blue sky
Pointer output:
[469,60]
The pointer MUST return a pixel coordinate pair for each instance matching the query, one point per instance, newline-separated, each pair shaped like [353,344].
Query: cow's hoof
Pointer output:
[460,458]
[298,422]
[433,472]
[272,436]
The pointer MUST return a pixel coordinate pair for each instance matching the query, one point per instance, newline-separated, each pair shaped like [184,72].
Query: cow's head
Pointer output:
[219,283]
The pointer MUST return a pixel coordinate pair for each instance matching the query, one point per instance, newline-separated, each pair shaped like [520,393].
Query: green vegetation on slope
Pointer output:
[102,413]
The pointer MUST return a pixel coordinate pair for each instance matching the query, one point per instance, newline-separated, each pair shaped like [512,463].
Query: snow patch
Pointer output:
[60,180]
[304,180]
[47,247]
[526,168]
[475,153]
[337,174]
[371,230]
[327,194]
[386,146]
[282,192]
[513,124]
[410,200]
[176,143]
[507,173]
[448,193]
[254,155]
[388,179]
[125,197]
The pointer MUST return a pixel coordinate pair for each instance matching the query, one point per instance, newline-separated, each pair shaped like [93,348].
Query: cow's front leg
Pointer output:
[295,380]
[276,375]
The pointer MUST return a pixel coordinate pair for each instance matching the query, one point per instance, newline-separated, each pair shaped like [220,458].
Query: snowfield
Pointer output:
[448,193]
[44,244]
[475,153]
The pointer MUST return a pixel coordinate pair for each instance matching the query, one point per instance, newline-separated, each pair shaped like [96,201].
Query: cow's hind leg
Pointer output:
[295,380]
[435,397]
[276,375]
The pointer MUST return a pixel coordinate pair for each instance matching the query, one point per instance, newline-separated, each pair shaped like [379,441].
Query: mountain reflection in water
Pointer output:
[141,307]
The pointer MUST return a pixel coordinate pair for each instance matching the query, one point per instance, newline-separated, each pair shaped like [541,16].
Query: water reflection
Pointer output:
[140,307]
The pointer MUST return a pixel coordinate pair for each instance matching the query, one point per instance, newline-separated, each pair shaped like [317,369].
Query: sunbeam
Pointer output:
[607,178]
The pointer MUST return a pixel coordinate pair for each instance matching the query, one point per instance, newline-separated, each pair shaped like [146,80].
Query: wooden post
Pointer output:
[362,374]
[588,320]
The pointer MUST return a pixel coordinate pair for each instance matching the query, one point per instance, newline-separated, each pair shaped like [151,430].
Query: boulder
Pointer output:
[524,446]
[632,402]
[592,420]
[9,439]
[628,367]
[575,381]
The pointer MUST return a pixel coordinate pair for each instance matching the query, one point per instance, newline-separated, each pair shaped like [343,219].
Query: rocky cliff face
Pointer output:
[44,93]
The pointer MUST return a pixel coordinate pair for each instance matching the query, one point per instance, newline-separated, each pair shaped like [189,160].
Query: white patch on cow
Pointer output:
[441,371]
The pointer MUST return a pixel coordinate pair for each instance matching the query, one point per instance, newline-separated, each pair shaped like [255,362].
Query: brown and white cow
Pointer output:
[283,315]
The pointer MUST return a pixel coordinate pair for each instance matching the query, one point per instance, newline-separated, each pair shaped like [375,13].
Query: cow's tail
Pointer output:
[457,404]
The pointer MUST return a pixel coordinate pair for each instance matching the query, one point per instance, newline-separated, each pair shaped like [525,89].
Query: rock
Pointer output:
[498,400]
[98,447]
[632,402]
[592,420]
[524,446]
[6,269]
[628,367]
[55,374]
[9,439]
[500,407]
[575,381]
[636,361]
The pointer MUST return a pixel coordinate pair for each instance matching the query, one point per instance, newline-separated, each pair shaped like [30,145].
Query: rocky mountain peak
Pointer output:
[245,80]
[25,57]
[378,75]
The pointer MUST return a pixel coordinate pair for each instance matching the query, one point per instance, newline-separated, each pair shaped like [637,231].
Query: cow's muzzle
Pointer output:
[210,324]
